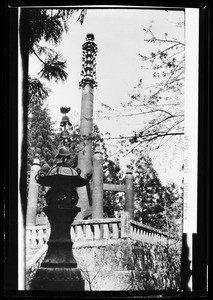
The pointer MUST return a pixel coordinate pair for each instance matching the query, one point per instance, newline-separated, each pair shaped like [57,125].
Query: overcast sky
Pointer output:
[119,36]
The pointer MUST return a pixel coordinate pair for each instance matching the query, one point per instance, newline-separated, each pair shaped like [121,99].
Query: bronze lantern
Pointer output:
[59,270]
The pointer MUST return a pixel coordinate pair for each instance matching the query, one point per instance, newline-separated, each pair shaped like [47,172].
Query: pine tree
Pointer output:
[41,136]
[38,28]
[113,201]
[156,205]
[41,139]
[173,211]
[148,191]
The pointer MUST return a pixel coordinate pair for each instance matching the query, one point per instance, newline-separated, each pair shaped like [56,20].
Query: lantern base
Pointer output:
[57,279]
[58,271]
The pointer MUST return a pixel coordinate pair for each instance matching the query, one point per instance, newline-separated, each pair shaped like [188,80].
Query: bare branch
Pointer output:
[171,47]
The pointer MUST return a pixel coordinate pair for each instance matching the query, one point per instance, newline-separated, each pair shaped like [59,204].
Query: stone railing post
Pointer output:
[125,224]
[33,193]
[129,200]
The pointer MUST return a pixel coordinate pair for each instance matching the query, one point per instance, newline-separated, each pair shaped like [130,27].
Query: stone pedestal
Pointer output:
[58,271]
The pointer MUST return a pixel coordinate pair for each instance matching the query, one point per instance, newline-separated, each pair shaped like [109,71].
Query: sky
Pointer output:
[119,35]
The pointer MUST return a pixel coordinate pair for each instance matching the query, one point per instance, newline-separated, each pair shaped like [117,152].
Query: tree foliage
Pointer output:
[37,28]
[41,135]
[162,103]
[160,100]
[42,140]
[148,191]
[46,26]
[156,205]
[113,202]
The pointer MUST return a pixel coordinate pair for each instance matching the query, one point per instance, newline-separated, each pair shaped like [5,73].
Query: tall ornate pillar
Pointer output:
[87,85]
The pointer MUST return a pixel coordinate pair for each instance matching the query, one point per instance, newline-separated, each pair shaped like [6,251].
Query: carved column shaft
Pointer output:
[97,193]
[87,84]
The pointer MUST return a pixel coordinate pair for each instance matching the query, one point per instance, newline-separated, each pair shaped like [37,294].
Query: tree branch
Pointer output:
[147,58]
[158,123]
[166,134]
[38,57]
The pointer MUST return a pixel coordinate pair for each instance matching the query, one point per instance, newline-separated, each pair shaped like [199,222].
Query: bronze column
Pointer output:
[87,84]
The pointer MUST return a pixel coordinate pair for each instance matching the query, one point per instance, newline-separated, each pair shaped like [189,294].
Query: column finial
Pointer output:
[89,62]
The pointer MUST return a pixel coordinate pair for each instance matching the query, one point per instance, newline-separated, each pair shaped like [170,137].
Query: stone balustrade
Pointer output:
[96,229]
[100,229]
[147,234]
[36,236]
[115,228]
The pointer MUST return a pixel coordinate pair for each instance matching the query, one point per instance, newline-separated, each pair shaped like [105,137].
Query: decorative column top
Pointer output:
[65,121]
[97,149]
[89,62]
[36,160]
[129,174]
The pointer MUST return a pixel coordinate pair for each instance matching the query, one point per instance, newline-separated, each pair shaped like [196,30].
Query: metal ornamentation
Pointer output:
[89,62]
[63,181]
[61,178]
[65,123]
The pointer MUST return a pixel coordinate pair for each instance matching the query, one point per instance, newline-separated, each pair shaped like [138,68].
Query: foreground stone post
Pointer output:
[125,224]
[33,193]
[129,199]
[97,193]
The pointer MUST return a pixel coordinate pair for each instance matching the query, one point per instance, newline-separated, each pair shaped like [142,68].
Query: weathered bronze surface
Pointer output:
[59,270]
[62,175]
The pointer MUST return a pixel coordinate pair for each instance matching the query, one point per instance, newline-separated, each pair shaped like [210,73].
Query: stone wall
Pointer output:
[125,264]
